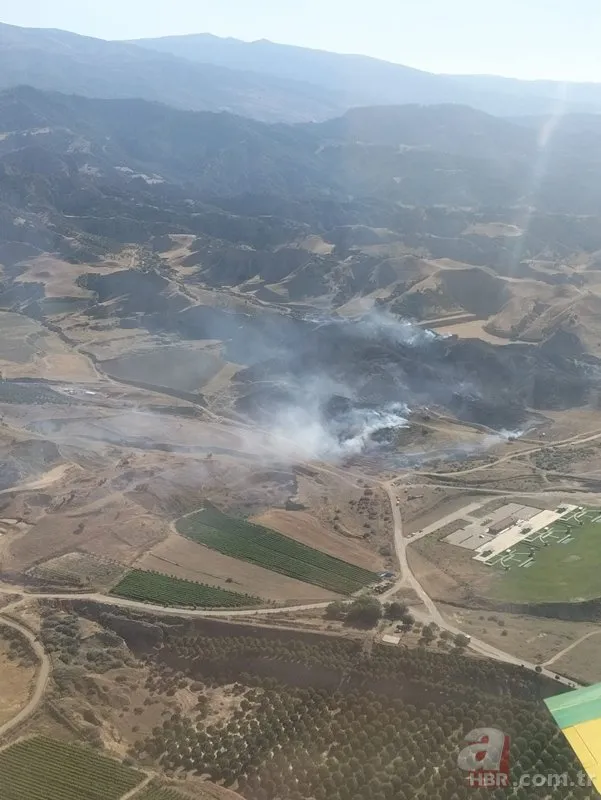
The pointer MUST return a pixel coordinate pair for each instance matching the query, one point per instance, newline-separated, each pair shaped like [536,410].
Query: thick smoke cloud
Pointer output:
[315,400]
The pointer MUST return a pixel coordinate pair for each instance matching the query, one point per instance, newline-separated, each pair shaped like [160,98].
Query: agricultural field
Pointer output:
[155,792]
[561,563]
[78,569]
[266,548]
[155,587]
[184,558]
[46,769]
[395,737]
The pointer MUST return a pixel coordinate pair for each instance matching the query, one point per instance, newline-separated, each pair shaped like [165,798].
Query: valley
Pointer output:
[299,437]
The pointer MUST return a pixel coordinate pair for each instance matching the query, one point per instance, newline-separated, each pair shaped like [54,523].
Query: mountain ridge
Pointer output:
[261,80]
[54,60]
[371,81]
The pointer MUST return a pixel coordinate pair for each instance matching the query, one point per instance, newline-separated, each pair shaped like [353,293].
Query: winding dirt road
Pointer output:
[42,676]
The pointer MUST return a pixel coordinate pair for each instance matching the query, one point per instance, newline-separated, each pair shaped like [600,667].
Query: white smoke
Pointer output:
[302,433]
[379,325]
[306,430]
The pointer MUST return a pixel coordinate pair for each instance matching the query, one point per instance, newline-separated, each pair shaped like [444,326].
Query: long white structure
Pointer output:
[519,532]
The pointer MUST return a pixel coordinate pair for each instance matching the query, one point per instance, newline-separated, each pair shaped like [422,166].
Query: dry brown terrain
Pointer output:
[583,663]
[185,559]
[28,350]
[303,527]
[534,639]
[16,683]
[60,277]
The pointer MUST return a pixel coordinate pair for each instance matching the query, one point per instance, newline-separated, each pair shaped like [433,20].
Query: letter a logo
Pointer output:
[486,754]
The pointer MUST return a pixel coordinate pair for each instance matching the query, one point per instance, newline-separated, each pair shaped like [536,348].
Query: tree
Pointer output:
[396,611]
[365,612]
[336,610]
[461,641]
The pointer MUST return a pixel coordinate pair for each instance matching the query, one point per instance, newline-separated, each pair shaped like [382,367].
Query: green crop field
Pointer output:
[154,792]
[46,769]
[565,565]
[155,587]
[267,548]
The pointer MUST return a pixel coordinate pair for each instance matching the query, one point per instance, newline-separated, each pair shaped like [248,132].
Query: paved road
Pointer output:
[408,580]
[41,679]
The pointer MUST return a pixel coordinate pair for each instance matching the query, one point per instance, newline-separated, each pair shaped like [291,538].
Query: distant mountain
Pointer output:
[261,80]
[369,81]
[65,62]
[129,170]
[414,155]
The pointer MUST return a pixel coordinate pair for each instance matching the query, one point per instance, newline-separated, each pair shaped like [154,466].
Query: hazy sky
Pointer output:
[523,38]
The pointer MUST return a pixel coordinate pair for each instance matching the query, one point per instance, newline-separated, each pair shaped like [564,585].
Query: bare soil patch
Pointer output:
[473,330]
[534,639]
[305,528]
[28,350]
[583,663]
[16,683]
[183,558]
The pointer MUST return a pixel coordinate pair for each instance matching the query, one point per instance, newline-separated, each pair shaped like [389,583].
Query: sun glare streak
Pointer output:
[546,134]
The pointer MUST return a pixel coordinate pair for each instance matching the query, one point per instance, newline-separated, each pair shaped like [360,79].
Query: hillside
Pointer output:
[295,222]
[66,62]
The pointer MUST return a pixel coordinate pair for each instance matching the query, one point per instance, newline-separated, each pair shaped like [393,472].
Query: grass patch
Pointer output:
[267,548]
[565,572]
[46,769]
[155,587]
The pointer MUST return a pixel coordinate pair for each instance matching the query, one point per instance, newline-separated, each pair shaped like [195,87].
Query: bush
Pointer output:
[365,612]
[396,611]
[336,610]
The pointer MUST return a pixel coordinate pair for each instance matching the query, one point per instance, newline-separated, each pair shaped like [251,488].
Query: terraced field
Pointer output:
[272,550]
[46,769]
[155,587]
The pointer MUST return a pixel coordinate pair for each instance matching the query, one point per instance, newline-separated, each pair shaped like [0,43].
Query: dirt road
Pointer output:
[581,438]
[149,608]
[567,649]
[408,580]
[41,679]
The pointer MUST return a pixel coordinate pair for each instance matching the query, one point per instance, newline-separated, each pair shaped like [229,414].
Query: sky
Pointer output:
[557,39]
